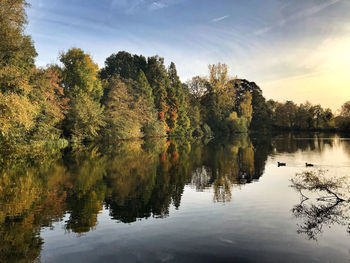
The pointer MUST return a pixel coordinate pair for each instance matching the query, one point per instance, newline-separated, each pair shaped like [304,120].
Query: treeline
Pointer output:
[304,117]
[307,117]
[131,97]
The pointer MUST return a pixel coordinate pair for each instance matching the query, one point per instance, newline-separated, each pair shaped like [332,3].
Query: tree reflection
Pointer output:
[30,198]
[226,164]
[86,191]
[325,201]
[292,143]
[131,177]
[134,180]
[143,183]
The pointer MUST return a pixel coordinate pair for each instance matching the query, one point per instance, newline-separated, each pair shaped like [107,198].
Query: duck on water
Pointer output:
[281,164]
[284,164]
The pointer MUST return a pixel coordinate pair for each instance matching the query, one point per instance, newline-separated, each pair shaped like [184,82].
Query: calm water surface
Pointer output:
[177,201]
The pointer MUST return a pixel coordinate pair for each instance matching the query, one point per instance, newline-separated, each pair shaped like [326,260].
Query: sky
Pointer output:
[293,49]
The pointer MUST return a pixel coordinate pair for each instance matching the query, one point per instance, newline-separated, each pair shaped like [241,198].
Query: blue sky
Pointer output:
[293,49]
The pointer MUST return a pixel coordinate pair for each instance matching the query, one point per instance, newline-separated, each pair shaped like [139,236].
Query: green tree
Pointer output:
[124,64]
[198,87]
[172,99]
[158,79]
[260,116]
[221,104]
[81,84]
[318,115]
[345,110]
[151,125]
[80,74]
[195,90]
[245,107]
[129,115]
[285,115]
[84,119]
[304,118]
[237,124]
[32,104]
[342,121]
[218,76]
[328,121]
[53,105]
[17,55]
[17,51]
[179,114]
[121,112]
[145,88]
[16,115]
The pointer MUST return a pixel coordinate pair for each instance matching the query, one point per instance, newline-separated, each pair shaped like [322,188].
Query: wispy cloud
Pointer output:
[218,19]
[320,7]
[160,4]
[128,6]
[157,5]
[297,15]
[308,12]
[262,30]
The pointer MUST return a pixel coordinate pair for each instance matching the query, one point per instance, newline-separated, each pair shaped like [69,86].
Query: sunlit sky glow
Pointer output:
[293,49]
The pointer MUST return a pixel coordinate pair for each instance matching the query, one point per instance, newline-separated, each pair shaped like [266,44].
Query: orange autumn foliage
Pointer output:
[163,157]
[162,115]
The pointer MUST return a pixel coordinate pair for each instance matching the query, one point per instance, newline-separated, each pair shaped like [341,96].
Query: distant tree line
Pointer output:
[131,97]
[307,117]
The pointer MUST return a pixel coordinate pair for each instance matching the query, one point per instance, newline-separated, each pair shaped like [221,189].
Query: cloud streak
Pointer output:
[297,15]
[218,19]
[160,4]
[128,6]
[157,5]
[131,6]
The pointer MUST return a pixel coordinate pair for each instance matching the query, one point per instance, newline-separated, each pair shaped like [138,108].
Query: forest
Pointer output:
[132,96]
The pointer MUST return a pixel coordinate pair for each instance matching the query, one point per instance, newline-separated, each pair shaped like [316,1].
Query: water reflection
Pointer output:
[324,201]
[31,197]
[135,180]
[291,143]
[225,165]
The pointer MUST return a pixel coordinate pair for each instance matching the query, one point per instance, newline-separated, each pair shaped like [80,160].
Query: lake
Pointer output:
[177,201]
